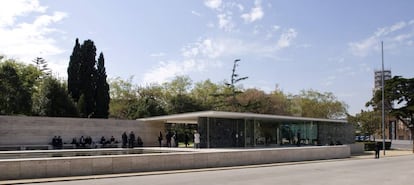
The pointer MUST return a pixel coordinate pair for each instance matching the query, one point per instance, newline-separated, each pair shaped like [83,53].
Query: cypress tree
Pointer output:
[102,90]
[87,77]
[87,81]
[74,73]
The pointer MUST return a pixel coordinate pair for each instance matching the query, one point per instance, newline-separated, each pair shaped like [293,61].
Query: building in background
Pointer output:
[378,77]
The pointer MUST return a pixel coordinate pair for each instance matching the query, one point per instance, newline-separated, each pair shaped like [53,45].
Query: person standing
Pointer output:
[168,137]
[124,140]
[186,138]
[160,139]
[377,150]
[196,139]
[131,139]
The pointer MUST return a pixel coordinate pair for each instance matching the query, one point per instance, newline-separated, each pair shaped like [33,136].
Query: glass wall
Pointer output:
[221,132]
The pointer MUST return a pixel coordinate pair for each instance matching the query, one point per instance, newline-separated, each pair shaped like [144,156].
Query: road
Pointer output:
[390,170]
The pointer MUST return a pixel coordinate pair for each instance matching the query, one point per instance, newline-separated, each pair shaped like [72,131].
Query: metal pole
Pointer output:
[383,104]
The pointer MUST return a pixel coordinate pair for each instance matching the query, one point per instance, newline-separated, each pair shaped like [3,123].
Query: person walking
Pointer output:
[196,139]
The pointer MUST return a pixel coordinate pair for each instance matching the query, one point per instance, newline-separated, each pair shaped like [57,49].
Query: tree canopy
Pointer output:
[398,100]
[28,90]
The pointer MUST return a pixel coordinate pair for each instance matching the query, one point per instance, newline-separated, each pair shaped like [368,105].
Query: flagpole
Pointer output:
[383,104]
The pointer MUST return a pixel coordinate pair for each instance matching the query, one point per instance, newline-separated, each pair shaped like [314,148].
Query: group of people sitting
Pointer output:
[83,141]
[87,142]
[57,142]
[104,142]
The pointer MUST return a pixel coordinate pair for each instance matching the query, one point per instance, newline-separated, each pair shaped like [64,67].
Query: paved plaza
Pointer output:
[395,168]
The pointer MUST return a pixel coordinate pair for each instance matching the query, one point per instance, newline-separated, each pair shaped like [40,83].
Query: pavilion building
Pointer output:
[231,129]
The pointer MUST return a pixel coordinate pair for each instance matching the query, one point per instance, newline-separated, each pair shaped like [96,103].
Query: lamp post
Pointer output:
[382,100]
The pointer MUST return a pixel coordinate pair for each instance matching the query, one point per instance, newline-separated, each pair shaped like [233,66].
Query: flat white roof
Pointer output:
[192,117]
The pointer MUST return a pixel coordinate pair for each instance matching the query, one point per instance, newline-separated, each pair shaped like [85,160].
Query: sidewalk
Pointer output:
[388,153]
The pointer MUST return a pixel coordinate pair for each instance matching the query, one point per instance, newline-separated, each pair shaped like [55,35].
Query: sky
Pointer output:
[324,45]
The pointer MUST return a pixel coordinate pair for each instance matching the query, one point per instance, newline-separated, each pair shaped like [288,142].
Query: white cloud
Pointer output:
[27,40]
[273,29]
[392,35]
[219,48]
[160,54]
[256,13]
[286,38]
[241,7]
[329,80]
[166,70]
[195,13]
[210,25]
[225,22]
[209,53]
[213,4]
[9,10]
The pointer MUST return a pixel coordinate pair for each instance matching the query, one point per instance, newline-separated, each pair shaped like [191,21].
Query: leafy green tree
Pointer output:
[279,103]
[55,101]
[177,98]
[151,102]
[255,101]
[398,100]
[179,85]
[102,90]
[203,92]
[312,103]
[16,87]
[182,103]
[258,101]
[123,95]
[368,122]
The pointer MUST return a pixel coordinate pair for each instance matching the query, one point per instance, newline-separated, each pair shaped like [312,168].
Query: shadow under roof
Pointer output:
[192,117]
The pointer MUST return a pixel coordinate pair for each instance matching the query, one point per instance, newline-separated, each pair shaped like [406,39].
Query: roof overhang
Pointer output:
[192,117]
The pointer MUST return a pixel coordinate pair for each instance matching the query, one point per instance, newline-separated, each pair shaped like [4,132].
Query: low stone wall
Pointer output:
[26,130]
[76,166]
[357,148]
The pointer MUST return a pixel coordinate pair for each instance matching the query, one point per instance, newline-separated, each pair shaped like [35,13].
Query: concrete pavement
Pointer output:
[397,156]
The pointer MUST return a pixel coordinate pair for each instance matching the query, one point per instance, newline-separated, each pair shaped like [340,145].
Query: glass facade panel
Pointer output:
[266,133]
[221,132]
[299,133]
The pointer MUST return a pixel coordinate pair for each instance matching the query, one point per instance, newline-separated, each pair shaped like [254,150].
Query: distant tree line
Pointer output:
[129,101]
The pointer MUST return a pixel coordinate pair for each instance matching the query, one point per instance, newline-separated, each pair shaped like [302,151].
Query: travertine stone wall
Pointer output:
[25,130]
[95,165]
